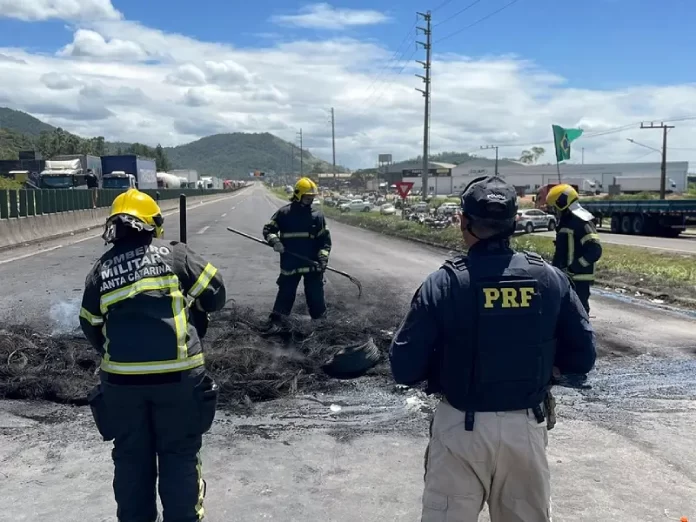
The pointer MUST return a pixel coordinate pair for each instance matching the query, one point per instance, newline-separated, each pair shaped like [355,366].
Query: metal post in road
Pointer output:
[485,147]
[182,218]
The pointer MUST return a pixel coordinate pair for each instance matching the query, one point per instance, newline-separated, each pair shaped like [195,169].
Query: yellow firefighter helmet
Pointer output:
[137,210]
[304,187]
[561,196]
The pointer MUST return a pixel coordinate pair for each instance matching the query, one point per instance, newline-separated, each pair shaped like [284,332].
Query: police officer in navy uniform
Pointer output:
[485,331]
[145,309]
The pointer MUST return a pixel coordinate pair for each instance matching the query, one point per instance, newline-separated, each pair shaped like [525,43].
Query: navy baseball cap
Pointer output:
[490,199]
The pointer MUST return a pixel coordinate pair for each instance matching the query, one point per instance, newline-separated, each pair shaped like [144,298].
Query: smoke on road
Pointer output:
[56,364]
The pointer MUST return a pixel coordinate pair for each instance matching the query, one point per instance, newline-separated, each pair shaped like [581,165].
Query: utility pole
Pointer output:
[301,159]
[292,159]
[583,155]
[485,147]
[333,142]
[427,45]
[663,173]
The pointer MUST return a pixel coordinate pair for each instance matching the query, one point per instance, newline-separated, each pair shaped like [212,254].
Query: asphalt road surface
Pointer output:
[685,244]
[622,450]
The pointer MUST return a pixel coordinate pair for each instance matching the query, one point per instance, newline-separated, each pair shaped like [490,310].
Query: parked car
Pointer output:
[387,209]
[532,219]
[420,207]
[356,205]
[447,209]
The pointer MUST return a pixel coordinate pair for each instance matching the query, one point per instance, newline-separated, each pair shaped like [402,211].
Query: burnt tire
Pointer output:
[353,360]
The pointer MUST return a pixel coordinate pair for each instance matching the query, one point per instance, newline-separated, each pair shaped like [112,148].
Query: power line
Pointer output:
[477,21]
[396,57]
[367,106]
[443,4]
[597,134]
[472,4]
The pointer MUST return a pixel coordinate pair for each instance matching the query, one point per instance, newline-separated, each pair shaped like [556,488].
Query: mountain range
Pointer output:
[228,156]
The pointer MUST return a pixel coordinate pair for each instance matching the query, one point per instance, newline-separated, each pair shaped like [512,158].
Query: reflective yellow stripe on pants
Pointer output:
[183,361]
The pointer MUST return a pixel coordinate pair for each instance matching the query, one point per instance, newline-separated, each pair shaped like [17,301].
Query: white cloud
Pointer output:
[325,16]
[91,44]
[37,10]
[128,82]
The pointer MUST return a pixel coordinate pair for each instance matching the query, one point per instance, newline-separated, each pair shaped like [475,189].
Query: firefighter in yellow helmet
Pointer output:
[578,247]
[301,229]
[145,309]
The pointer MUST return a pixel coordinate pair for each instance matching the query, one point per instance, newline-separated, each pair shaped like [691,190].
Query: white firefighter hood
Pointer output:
[580,212]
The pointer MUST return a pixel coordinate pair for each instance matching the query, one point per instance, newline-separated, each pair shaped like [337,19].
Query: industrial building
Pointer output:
[449,179]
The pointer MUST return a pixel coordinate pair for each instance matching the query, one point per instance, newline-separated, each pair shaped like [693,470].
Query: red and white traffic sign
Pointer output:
[404,187]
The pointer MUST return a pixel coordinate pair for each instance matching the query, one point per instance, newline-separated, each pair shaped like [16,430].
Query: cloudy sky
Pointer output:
[172,71]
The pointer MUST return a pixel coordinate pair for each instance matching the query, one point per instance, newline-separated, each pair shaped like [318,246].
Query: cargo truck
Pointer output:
[69,171]
[645,217]
[636,184]
[128,170]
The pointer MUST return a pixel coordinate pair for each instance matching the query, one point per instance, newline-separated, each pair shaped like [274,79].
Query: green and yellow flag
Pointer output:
[562,138]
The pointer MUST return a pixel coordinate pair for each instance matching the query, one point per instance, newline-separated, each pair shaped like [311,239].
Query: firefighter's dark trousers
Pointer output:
[582,288]
[157,429]
[287,290]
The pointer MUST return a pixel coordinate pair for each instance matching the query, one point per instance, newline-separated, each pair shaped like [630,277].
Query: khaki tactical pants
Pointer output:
[501,462]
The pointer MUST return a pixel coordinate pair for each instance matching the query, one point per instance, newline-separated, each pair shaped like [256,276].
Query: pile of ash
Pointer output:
[249,364]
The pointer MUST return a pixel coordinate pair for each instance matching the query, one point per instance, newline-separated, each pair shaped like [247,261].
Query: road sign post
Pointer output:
[404,188]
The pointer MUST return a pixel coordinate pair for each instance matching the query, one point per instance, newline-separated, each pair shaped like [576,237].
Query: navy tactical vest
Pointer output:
[499,341]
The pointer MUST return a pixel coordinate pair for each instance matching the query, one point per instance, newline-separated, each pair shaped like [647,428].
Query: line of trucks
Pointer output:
[111,172]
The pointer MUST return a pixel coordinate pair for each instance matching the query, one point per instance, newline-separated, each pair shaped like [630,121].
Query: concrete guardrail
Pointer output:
[28,216]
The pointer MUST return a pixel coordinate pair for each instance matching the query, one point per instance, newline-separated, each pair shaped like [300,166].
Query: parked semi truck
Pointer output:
[636,184]
[657,217]
[129,171]
[69,171]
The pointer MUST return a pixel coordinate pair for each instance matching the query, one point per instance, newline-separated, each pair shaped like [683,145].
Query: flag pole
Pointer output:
[558,169]
[555,146]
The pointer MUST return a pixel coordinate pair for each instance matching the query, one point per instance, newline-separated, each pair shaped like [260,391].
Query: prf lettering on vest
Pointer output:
[508,297]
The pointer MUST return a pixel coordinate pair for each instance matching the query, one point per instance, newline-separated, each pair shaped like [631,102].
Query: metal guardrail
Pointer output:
[25,203]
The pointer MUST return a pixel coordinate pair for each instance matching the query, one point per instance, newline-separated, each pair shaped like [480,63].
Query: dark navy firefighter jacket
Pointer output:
[302,230]
[485,330]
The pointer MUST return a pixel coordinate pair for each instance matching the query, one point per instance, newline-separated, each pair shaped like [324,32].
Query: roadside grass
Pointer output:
[634,266]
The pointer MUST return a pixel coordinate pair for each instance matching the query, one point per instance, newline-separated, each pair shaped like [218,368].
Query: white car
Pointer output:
[387,209]
[356,205]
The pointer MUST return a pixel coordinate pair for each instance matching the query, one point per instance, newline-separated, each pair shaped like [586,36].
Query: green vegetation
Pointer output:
[22,123]
[622,264]
[9,184]
[227,156]
[235,155]
[12,142]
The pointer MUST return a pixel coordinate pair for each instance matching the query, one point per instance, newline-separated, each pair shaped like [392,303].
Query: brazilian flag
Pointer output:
[562,138]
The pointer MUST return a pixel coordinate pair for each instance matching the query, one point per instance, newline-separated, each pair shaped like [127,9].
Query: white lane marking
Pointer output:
[56,247]
[225,214]
[202,230]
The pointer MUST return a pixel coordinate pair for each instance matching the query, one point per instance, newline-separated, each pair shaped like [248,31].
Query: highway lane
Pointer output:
[601,452]
[685,244]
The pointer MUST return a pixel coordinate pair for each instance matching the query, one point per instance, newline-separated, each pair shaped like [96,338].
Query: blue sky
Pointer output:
[593,43]
[117,68]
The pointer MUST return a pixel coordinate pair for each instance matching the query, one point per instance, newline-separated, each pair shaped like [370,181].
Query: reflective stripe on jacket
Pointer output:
[302,229]
[135,308]
[578,247]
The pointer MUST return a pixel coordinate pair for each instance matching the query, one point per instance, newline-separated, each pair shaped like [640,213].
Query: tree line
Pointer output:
[59,142]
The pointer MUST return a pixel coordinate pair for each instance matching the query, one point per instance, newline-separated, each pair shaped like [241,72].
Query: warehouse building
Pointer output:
[529,178]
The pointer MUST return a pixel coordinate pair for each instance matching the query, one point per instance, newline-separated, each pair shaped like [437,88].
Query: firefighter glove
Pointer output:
[278,247]
[323,263]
